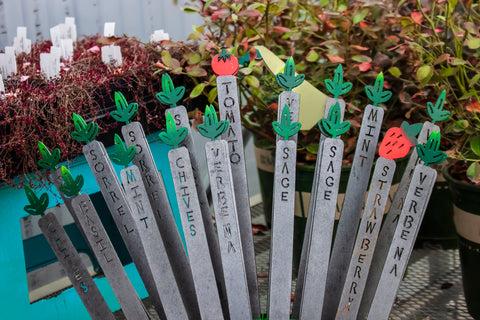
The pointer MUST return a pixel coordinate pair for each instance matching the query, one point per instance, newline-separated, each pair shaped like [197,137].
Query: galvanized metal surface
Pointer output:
[432,288]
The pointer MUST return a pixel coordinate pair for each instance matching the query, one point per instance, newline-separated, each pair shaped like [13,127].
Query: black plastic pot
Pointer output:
[466,212]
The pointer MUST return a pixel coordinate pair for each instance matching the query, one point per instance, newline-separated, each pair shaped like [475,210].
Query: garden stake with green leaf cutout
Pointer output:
[229,109]
[125,111]
[137,150]
[417,133]
[337,87]
[66,253]
[195,230]
[355,195]
[89,222]
[395,145]
[226,218]
[280,274]
[410,219]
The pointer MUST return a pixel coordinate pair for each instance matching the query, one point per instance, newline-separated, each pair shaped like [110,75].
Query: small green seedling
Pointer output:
[170,95]
[412,130]
[287,79]
[212,128]
[286,128]
[437,112]
[333,126]
[376,93]
[84,132]
[173,136]
[48,159]
[429,152]
[122,154]
[337,87]
[70,187]
[125,111]
[37,205]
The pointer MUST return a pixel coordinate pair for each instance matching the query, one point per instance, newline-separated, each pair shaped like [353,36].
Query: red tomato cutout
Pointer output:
[225,64]
[395,144]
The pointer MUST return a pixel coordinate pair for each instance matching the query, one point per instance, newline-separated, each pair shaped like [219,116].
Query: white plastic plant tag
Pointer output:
[70,28]
[66,46]
[159,35]
[109,29]
[112,55]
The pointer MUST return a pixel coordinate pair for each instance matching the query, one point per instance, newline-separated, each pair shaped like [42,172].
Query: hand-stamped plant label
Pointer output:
[134,136]
[167,287]
[109,29]
[223,197]
[352,206]
[366,239]
[194,230]
[323,218]
[230,110]
[108,259]
[112,54]
[280,275]
[76,271]
[413,210]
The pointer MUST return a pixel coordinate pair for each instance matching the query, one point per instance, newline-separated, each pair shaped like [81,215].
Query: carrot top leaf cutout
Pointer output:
[125,111]
[84,132]
[121,154]
[337,87]
[436,112]
[173,136]
[375,93]
[212,128]
[170,95]
[285,128]
[429,152]
[287,79]
[36,205]
[70,187]
[224,63]
[48,159]
[395,145]
[412,130]
[333,126]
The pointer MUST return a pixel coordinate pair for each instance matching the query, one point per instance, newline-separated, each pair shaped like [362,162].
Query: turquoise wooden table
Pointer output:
[14,298]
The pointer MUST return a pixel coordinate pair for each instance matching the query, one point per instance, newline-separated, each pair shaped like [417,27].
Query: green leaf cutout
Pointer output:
[121,154]
[36,205]
[429,152]
[48,159]
[376,93]
[84,132]
[287,79]
[70,187]
[173,136]
[286,128]
[125,111]
[333,126]
[169,94]
[212,128]
[412,130]
[337,87]
[436,112]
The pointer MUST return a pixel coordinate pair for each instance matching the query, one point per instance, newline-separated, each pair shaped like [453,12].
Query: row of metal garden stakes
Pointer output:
[214,275]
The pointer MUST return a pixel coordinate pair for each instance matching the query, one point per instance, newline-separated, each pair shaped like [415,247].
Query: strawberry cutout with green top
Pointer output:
[84,132]
[429,152]
[170,95]
[48,159]
[337,87]
[287,79]
[224,63]
[395,145]
[70,187]
[436,111]
[333,126]
[121,154]
[36,205]
[285,128]
[173,136]
[375,93]
[212,128]
[125,111]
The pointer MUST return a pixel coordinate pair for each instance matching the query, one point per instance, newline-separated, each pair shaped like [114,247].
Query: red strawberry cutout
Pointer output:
[395,144]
